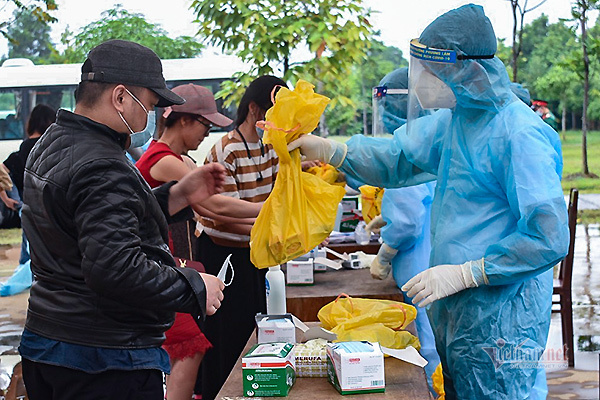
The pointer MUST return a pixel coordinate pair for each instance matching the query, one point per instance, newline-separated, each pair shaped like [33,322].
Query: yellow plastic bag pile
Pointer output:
[300,211]
[374,320]
[370,201]
[328,173]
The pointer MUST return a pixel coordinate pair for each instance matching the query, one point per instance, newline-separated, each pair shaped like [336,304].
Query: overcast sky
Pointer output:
[398,20]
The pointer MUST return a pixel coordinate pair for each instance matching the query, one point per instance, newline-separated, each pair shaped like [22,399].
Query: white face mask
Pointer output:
[138,139]
[432,93]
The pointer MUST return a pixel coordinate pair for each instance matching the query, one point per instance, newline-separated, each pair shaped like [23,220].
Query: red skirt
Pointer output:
[185,339]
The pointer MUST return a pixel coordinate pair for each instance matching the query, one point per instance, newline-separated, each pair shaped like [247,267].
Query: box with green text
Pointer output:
[269,369]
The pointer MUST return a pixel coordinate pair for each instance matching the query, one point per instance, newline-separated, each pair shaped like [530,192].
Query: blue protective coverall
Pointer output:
[407,213]
[498,197]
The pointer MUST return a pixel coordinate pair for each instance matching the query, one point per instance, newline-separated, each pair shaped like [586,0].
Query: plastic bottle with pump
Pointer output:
[275,284]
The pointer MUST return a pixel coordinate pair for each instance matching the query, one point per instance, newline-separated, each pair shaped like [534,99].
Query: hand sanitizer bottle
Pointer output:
[275,284]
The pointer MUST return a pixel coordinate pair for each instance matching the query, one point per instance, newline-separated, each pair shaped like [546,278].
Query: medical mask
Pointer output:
[260,132]
[138,139]
[223,271]
[432,93]
[539,112]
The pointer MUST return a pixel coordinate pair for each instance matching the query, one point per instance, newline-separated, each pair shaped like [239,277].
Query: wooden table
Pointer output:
[351,247]
[306,301]
[403,381]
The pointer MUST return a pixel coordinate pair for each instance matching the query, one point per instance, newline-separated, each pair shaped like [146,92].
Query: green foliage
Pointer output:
[29,37]
[267,34]
[350,111]
[40,9]
[118,23]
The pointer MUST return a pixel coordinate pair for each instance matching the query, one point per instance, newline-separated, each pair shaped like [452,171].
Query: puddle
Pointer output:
[586,288]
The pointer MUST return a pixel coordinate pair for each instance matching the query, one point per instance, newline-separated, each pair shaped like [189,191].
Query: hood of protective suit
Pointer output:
[394,110]
[477,82]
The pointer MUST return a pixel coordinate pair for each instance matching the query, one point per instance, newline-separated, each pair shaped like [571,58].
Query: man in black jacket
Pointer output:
[106,284]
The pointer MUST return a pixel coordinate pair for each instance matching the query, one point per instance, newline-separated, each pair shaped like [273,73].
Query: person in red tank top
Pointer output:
[186,126]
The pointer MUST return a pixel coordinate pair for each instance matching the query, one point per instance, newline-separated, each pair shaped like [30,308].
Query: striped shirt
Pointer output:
[242,181]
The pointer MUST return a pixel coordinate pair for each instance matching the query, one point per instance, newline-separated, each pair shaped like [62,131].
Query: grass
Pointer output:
[571,147]
[588,217]
[10,236]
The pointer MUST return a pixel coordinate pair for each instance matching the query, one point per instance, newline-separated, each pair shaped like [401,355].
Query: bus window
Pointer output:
[11,126]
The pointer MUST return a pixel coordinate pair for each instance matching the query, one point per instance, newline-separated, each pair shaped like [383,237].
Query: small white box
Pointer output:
[355,367]
[300,273]
[318,253]
[275,329]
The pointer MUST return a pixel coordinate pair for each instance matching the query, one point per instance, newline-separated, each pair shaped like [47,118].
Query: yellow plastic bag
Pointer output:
[328,173]
[300,211]
[374,320]
[370,201]
[438,383]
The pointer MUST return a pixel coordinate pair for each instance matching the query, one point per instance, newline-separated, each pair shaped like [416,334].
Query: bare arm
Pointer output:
[170,168]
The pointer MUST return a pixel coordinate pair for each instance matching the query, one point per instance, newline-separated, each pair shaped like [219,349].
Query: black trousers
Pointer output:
[230,328]
[49,382]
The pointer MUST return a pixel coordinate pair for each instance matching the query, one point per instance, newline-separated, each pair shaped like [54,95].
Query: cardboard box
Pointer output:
[275,328]
[355,367]
[268,369]
[350,203]
[317,253]
[311,359]
[349,221]
[300,273]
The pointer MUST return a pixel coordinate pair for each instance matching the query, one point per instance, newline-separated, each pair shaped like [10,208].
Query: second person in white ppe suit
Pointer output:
[499,220]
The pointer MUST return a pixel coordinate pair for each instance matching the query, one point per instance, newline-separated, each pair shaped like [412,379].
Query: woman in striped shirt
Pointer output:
[251,169]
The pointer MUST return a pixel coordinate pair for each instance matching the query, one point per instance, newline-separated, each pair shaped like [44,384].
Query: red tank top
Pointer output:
[155,152]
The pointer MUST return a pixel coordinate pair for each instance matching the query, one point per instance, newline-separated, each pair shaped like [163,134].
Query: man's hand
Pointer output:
[10,203]
[309,164]
[214,292]
[196,186]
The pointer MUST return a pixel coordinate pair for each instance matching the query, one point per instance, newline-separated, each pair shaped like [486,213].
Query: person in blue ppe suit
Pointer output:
[405,215]
[499,220]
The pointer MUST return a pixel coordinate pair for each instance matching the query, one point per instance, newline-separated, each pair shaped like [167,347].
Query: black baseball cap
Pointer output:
[128,63]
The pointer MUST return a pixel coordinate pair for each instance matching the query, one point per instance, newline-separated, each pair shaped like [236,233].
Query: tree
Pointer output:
[580,11]
[118,23]
[519,10]
[350,110]
[270,35]
[30,37]
[558,82]
[40,9]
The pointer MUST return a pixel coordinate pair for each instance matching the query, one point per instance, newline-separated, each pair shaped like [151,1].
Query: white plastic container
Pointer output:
[275,285]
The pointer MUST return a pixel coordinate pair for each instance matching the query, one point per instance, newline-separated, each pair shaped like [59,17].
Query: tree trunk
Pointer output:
[364,108]
[573,121]
[323,130]
[563,120]
[586,95]
[515,54]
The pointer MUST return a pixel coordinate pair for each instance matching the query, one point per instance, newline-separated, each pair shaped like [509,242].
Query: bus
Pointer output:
[23,85]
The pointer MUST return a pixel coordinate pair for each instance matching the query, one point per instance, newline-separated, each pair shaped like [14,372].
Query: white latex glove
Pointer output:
[316,148]
[441,281]
[382,264]
[376,224]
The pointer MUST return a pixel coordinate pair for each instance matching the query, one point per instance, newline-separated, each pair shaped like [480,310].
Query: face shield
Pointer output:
[389,110]
[428,93]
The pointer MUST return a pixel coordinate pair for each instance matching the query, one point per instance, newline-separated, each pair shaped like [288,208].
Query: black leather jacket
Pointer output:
[97,233]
